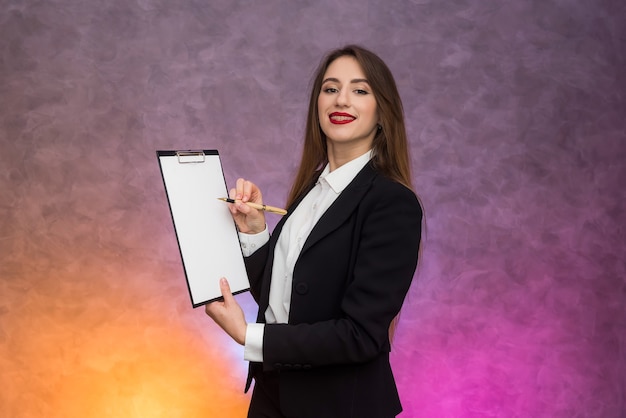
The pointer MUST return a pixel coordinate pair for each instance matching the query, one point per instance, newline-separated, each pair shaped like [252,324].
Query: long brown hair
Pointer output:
[390,146]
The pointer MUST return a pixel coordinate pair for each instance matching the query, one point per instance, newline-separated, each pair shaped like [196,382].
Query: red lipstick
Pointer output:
[340,118]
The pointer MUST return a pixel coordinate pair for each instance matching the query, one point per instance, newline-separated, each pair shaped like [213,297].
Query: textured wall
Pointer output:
[516,114]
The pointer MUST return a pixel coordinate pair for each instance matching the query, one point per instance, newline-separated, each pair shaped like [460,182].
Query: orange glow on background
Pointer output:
[107,336]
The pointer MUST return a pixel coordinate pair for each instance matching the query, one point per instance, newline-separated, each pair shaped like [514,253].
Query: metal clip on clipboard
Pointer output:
[186,157]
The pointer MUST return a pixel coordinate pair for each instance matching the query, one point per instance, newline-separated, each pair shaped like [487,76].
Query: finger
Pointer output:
[239,188]
[247,190]
[226,293]
[237,193]
[242,207]
[255,193]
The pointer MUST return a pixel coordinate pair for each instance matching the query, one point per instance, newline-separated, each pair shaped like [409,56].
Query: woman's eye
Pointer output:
[361,91]
[330,90]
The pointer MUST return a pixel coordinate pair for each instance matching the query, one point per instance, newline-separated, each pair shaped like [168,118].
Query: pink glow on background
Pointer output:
[515,112]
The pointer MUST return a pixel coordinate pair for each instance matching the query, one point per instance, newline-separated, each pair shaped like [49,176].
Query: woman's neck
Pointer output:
[339,155]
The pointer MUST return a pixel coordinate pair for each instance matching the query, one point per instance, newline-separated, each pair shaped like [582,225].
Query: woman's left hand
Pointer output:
[228,314]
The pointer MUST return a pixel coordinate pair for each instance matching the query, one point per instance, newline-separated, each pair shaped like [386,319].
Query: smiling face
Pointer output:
[347,109]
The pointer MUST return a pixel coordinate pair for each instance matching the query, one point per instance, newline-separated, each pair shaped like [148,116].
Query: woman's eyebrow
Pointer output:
[353,81]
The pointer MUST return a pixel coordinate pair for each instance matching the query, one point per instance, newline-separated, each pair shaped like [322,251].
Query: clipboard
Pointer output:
[205,230]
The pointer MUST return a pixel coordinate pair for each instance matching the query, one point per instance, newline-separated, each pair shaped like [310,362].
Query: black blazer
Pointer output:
[349,282]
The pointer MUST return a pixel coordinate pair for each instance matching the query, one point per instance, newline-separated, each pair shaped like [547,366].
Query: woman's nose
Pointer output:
[343,98]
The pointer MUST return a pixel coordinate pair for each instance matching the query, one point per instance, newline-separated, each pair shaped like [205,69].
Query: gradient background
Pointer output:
[516,113]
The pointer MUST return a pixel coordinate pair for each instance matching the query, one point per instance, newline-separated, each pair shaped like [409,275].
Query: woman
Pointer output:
[336,270]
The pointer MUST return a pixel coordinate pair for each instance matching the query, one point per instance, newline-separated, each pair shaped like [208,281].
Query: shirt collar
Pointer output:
[342,176]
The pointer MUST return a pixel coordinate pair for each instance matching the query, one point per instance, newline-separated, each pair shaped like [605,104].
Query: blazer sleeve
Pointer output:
[388,232]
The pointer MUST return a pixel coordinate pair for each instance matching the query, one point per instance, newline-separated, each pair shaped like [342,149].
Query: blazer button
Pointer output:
[278,366]
[302,288]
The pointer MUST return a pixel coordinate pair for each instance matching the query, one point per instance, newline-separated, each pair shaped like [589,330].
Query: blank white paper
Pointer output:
[206,233]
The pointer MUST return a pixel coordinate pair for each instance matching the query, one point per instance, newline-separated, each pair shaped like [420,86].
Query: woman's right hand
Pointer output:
[248,220]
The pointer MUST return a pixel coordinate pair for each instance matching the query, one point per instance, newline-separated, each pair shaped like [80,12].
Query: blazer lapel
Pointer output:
[336,214]
[341,209]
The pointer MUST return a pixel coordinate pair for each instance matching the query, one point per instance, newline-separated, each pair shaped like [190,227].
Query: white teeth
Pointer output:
[341,118]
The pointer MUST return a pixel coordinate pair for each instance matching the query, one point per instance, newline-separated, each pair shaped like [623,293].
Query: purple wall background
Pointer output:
[517,120]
